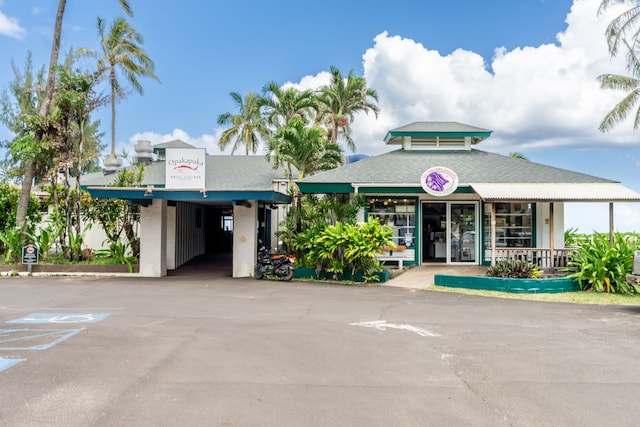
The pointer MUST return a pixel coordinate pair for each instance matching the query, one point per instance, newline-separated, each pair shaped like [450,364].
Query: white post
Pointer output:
[245,238]
[153,239]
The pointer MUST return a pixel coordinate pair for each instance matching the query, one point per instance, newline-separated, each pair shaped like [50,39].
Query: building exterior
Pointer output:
[193,203]
[449,202]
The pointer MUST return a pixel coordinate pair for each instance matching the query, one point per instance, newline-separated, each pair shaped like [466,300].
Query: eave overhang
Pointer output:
[192,195]
[555,192]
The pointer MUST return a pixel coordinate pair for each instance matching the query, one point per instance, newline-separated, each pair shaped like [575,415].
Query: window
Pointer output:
[513,225]
[399,214]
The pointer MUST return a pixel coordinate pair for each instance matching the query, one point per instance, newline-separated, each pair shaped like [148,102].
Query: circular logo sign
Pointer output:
[439,181]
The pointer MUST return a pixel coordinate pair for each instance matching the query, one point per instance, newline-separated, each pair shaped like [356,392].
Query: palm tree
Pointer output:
[629,84]
[624,25]
[248,127]
[516,155]
[304,148]
[341,100]
[122,53]
[47,96]
[282,105]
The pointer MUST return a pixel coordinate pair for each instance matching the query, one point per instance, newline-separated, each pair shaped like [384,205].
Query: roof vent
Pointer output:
[143,152]
[111,164]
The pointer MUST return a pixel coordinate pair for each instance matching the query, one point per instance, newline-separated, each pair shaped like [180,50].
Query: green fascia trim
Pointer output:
[436,134]
[189,195]
[406,190]
[502,284]
[324,188]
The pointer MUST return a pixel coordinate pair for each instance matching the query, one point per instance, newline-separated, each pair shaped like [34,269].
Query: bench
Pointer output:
[396,258]
[388,255]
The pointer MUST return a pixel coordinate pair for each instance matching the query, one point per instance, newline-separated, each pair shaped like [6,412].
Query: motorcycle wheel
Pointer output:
[258,272]
[288,275]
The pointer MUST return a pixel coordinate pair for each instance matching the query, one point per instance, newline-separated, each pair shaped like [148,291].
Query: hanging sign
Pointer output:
[185,168]
[439,181]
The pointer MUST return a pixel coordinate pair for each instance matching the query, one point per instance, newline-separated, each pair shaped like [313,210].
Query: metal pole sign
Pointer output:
[30,255]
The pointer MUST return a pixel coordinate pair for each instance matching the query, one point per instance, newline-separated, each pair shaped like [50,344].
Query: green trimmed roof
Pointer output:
[436,129]
[401,167]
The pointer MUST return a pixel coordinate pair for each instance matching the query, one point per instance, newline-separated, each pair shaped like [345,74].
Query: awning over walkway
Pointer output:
[552,192]
[139,195]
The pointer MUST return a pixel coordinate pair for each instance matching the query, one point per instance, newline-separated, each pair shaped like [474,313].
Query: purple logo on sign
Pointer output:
[439,181]
[436,181]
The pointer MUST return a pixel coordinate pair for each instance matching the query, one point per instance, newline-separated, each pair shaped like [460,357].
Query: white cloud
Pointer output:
[10,27]
[531,97]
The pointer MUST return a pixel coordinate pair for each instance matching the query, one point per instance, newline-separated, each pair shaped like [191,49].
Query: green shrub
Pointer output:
[344,247]
[515,269]
[602,267]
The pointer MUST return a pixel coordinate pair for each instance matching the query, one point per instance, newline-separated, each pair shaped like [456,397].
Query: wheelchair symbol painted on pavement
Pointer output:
[57,318]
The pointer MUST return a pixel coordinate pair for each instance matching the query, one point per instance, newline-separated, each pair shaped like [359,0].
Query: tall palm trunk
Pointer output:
[30,164]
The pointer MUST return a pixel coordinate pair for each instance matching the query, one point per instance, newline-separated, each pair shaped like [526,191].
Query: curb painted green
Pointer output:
[502,284]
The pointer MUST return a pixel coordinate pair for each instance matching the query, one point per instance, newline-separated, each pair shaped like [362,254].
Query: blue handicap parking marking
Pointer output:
[33,339]
[7,363]
[42,318]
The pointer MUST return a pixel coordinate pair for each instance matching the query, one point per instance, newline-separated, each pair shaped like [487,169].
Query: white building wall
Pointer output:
[153,239]
[245,239]
[543,225]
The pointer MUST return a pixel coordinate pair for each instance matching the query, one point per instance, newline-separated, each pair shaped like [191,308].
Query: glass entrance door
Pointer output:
[463,242]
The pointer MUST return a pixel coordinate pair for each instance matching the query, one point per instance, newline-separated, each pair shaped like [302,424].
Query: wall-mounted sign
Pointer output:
[439,181]
[185,168]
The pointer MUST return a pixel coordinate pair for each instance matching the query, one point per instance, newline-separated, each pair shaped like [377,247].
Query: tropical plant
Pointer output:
[628,84]
[119,253]
[9,195]
[304,148]
[30,161]
[601,266]
[312,215]
[121,53]
[573,238]
[516,155]
[118,218]
[281,105]
[248,126]
[622,31]
[341,100]
[623,27]
[347,247]
[12,242]
[515,269]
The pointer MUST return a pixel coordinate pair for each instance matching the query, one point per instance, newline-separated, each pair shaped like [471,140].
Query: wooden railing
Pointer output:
[539,256]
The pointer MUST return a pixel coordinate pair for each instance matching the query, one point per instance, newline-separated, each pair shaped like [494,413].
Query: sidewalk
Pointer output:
[422,276]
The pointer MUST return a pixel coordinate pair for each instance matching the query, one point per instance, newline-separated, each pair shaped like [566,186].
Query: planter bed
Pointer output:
[70,268]
[310,273]
[502,284]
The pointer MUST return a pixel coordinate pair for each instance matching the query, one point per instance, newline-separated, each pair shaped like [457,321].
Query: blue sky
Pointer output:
[525,69]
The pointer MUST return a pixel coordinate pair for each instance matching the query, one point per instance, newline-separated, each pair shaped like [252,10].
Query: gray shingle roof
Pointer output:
[228,173]
[471,166]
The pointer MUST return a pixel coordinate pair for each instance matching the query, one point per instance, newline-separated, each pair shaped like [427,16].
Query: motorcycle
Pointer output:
[274,265]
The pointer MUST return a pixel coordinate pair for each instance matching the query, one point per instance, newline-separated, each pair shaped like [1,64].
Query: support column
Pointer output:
[153,239]
[245,238]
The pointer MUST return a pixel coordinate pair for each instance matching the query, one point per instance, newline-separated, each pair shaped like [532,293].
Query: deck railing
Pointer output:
[539,256]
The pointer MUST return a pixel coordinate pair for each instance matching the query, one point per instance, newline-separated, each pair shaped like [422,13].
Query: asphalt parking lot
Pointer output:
[235,352]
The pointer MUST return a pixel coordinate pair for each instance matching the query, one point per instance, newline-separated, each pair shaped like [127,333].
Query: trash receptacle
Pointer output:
[636,263]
